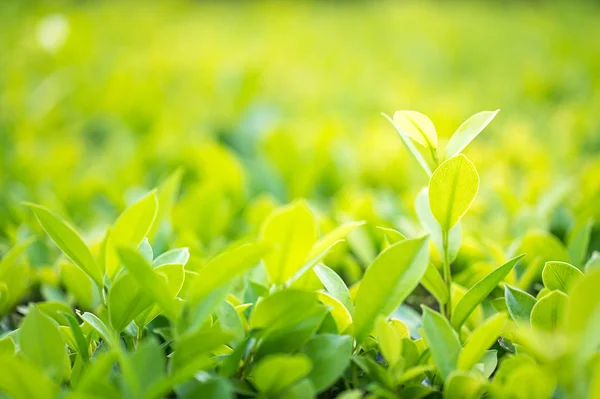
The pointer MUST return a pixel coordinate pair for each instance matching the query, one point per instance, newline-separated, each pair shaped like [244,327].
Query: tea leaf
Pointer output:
[20,379]
[578,244]
[468,130]
[452,189]
[130,229]
[519,303]
[560,276]
[442,341]
[341,315]
[548,312]
[40,340]
[67,239]
[410,147]
[290,232]
[334,284]
[330,355]
[275,373]
[464,385]
[335,235]
[480,341]
[479,291]
[388,281]
[108,335]
[418,127]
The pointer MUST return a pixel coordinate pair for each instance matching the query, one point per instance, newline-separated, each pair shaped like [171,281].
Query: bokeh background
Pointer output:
[258,103]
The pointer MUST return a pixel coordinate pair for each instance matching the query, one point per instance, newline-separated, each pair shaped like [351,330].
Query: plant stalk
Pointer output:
[447,273]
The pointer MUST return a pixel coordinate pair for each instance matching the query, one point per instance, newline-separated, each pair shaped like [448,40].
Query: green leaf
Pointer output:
[464,385]
[480,341]
[209,387]
[479,291]
[144,367]
[548,312]
[108,335]
[7,346]
[330,355]
[154,284]
[67,239]
[40,340]
[126,301]
[434,283]
[593,262]
[578,243]
[334,284]
[290,233]
[584,303]
[442,341]
[283,309]
[274,373]
[130,229]
[468,130]
[390,344]
[301,390]
[388,281]
[418,127]
[452,189]
[519,303]
[20,379]
[560,276]
[337,234]
[410,147]
[80,340]
[340,314]
[223,269]
[174,256]
[192,349]
[79,284]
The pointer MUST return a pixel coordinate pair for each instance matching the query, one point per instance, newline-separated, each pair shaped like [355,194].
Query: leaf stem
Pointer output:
[447,273]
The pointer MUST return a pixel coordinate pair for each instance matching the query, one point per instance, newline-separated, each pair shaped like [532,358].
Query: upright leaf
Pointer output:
[41,341]
[578,244]
[339,233]
[468,130]
[290,232]
[410,147]
[223,269]
[388,281]
[130,228]
[480,341]
[442,341]
[479,291]
[67,239]
[21,379]
[418,127]
[334,284]
[452,189]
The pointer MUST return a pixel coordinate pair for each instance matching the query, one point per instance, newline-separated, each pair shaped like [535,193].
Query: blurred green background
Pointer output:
[263,102]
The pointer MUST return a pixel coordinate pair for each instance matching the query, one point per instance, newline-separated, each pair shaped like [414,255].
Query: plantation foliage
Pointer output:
[240,200]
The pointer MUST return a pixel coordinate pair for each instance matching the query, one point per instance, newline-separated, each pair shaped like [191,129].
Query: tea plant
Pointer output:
[271,315]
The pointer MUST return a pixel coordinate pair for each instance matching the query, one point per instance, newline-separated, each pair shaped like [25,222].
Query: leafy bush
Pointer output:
[271,314]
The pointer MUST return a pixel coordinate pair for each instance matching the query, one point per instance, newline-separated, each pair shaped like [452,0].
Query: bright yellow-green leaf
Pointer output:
[7,346]
[21,379]
[67,239]
[40,340]
[480,341]
[468,130]
[130,229]
[388,281]
[390,344]
[339,233]
[79,284]
[223,269]
[175,276]
[418,127]
[442,341]
[548,312]
[584,302]
[338,311]
[334,284]
[519,304]
[283,309]
[452,189]
[290,233]
[275,373]
[560,276]
[479,292]
[464,385]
